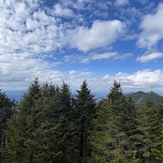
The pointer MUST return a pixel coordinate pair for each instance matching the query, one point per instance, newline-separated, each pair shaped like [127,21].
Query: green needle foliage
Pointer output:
[113,126]
[6,110]
[84,111]
[52,126]
[21,127]
[147,130]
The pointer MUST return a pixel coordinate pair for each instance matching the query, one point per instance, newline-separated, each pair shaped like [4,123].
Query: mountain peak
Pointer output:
[141,97]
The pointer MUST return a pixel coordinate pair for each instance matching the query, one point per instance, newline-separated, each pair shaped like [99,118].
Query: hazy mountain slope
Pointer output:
[141,97]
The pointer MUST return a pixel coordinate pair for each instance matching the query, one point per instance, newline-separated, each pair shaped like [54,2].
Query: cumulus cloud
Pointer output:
[24,27]
[146,77]
[30,27]
[101,34]
[17,71]
[141,80]
[32,32]
[60,11]
[144,80]
[150,57]
[152,29]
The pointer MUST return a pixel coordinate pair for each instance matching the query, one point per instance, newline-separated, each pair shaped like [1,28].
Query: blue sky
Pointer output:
[95,40]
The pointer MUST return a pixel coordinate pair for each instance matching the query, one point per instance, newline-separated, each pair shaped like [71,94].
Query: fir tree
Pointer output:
[6,110]
[21,127]
[84,111]
[147,130]
[113,126]
[158,144]
[47,118]
[66,128]
[42,129]
[56,129]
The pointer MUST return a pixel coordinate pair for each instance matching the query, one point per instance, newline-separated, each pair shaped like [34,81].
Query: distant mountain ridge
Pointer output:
[141,97]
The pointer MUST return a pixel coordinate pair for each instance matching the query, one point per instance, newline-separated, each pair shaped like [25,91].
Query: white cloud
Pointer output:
[121,2]
[31,33]
[150,57]
[152,29]
[101,34]
[103,56]
[79,5]
[144,80]
[25,27]
[96,56]
[60,11]
[17,71]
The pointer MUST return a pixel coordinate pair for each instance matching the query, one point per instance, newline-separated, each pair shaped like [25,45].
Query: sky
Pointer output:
[95,40]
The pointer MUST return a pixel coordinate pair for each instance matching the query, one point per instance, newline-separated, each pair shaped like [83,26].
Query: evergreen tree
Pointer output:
[20,133]
[147,130]
[99,135]
[6,110]
[51,126]
[55,132]
[84,111]
[158,144]
[66,128]
[42,129]
[47,117]
[113,126]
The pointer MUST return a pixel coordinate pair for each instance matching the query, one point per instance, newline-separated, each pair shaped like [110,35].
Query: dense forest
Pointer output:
[50,125]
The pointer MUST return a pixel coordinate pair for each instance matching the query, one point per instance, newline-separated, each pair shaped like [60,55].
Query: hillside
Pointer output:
[140,97]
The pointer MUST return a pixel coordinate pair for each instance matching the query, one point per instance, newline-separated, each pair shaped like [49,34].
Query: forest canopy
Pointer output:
[50,125]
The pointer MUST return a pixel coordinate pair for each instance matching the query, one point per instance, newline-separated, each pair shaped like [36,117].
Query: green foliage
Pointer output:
[21,127]
[113,126]
[6,110]
[51,126]
[158,144]
[147,130]
[84,111]
[42,130]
